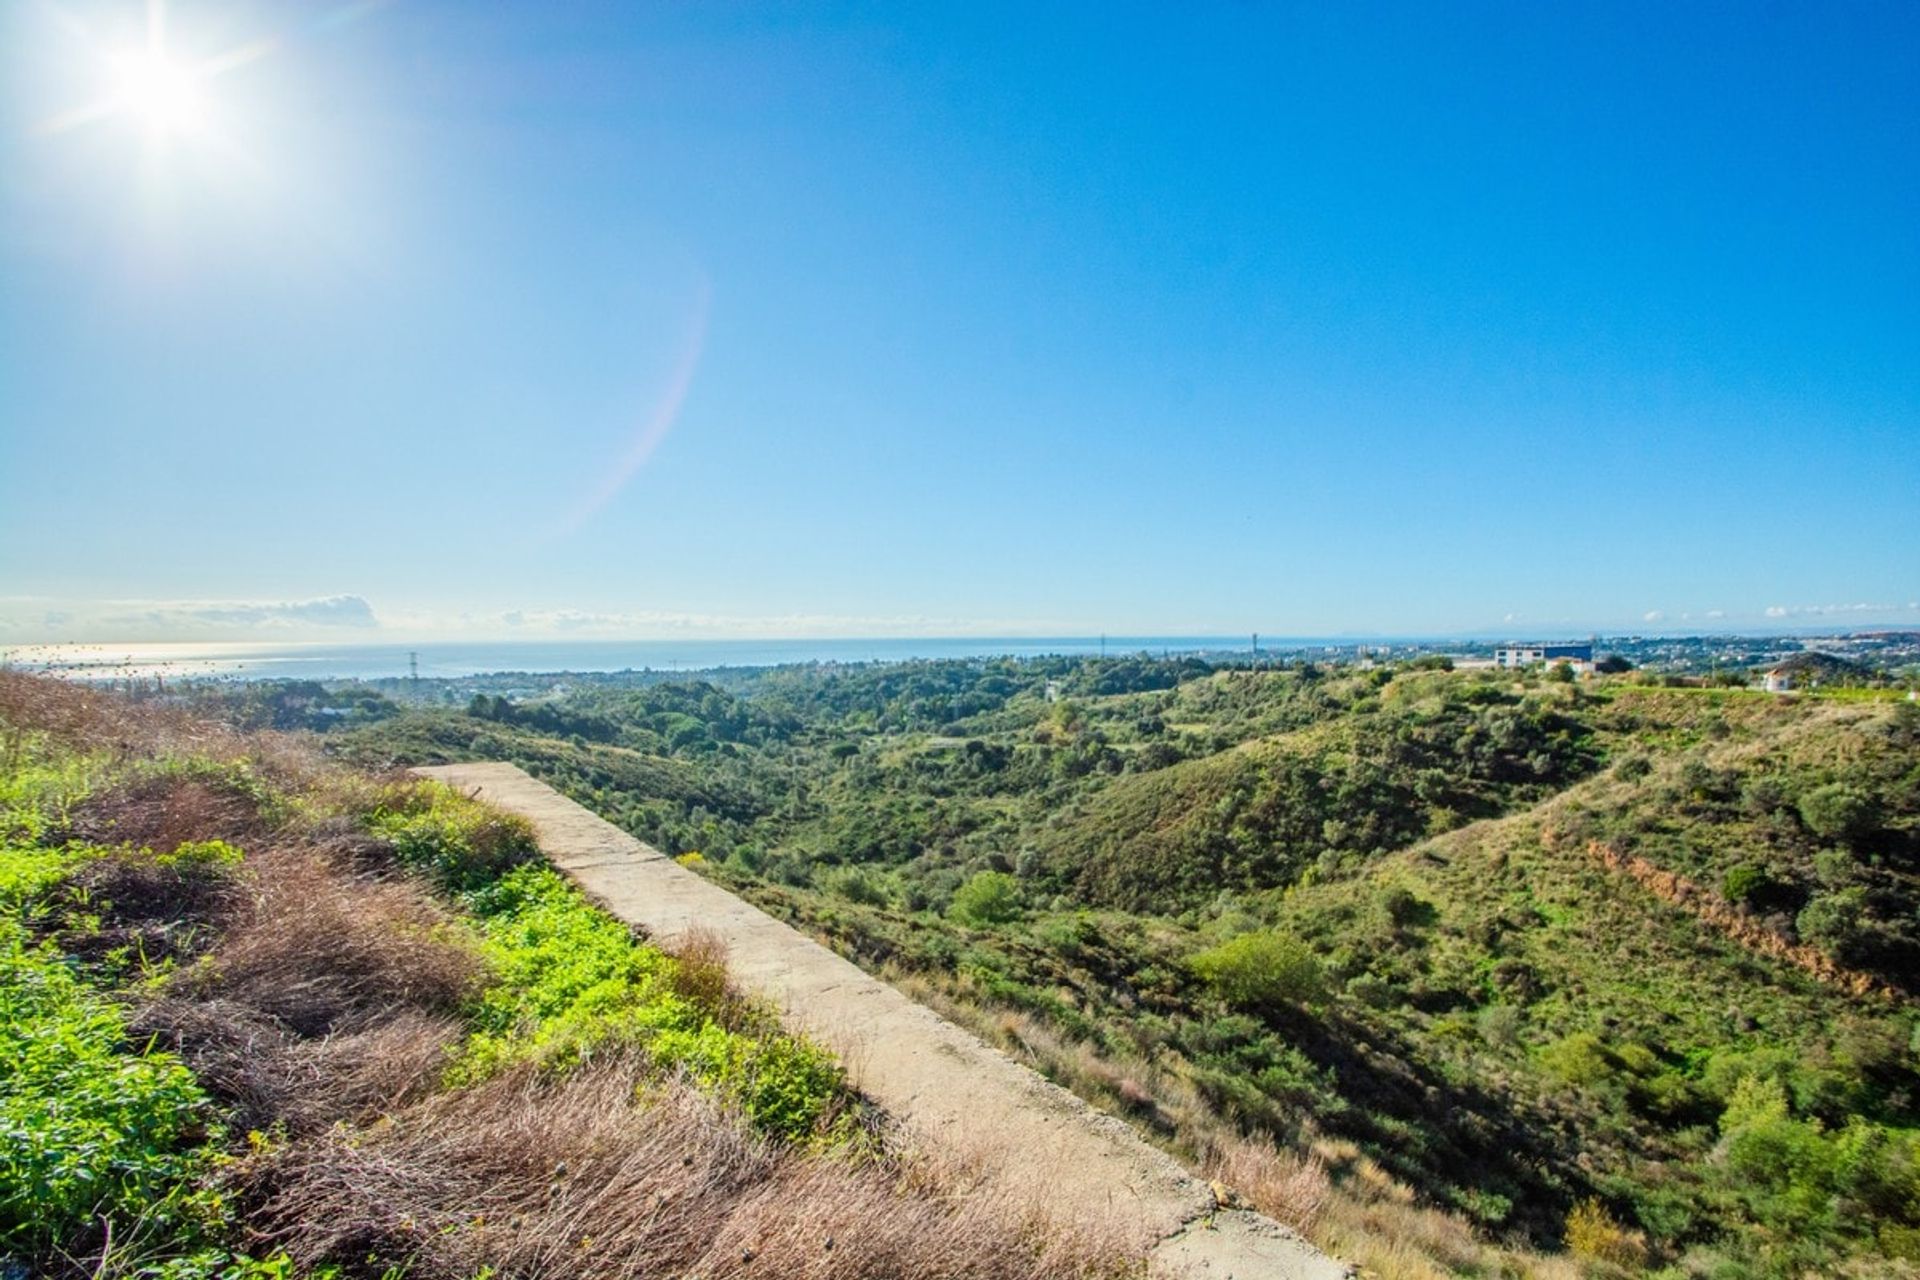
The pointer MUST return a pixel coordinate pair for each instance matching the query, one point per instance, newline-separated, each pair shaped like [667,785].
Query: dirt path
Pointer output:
[940,1081]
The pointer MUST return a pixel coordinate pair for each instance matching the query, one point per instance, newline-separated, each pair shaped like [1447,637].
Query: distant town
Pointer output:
[1875,657]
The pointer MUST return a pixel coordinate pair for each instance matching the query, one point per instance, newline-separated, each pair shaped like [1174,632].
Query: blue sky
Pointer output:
[843,319]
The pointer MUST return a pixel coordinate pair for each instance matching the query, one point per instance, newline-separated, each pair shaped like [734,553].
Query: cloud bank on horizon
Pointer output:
[30,621]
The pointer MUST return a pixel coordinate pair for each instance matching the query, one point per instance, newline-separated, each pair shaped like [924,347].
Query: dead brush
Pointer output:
[78,714]
[1287,1186]
[266,1076]
[701,977]
[325,952]
[133,902]
[133,727]
[160,812]
[606,1173]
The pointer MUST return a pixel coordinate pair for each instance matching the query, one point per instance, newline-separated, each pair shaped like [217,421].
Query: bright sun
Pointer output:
[158,93]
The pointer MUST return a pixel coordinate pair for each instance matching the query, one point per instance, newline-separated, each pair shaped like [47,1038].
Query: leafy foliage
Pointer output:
[1260,972]
[1366,904]
[92,1127]
[570,980]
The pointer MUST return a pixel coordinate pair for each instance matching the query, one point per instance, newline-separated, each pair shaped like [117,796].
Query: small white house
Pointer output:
[1778,680]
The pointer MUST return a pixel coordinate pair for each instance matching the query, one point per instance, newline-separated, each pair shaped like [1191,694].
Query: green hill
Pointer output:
[1462,972]
[263,1016]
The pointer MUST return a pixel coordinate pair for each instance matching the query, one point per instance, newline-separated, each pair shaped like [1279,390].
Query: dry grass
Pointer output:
[94,720]
[1328,1190]
[1286,1185]
[702,977]
[318,1003]
[267,1076]
[322,950]
[538,1177]
[326,995]
[162,812]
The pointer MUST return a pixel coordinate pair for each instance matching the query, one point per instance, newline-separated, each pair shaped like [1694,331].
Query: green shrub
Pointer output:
[1500,1025]
[1745,884]
[786,1086]
[1632,768]
[1261,971]
[860,885]
[1835,922]
[1593,1233]
[989,898]
[1836,812]
[459,841]
[1581,1059]
[570,979]
[92,1130]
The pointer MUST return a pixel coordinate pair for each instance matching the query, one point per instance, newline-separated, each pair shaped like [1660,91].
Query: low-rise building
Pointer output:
[1579,656]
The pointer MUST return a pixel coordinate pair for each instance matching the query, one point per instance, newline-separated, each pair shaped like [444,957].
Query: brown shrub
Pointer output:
[1287,1186]
[700,973]
[162,812]
[94,719]
[325,952]
[536,1176]
[266,1075]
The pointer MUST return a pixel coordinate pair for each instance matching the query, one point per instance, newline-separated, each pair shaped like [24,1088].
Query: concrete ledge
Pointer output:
[940,1082]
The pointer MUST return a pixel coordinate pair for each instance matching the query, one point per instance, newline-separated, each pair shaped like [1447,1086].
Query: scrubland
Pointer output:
[265,1015]
[1461,972]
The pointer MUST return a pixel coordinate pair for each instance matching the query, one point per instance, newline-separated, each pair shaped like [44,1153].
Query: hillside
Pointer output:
[1457,972]
[264,1016]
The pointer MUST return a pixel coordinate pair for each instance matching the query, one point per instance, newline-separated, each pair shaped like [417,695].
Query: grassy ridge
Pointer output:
[266,1017]
[1362,915]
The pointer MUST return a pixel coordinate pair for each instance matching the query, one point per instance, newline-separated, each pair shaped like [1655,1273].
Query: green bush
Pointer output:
[1593,1233]
[1835,922]
[459,841]
[1745,884]
[1500,1025]
[860,885]
[1836,812]
[1581,1059]
[570,979]
[92,1130]
[1260,971]
[989,898]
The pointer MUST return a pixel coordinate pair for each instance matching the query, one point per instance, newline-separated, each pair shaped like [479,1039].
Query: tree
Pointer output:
[1260,972]
[1836,812]
[1835,922]
[991,897]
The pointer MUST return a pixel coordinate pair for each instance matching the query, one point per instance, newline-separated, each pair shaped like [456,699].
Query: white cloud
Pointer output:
[664,623]
[1652,615]
[1838,610]
[30,620]
[27,621]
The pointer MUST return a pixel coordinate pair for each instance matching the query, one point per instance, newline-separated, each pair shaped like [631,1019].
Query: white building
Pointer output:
[1513,657]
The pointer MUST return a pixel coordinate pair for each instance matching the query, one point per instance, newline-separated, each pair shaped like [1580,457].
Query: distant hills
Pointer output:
[1516,962]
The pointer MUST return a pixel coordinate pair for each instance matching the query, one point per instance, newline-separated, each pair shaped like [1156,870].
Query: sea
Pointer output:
[454,659]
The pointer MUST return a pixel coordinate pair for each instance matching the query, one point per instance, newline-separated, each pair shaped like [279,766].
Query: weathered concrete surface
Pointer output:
[945,1085]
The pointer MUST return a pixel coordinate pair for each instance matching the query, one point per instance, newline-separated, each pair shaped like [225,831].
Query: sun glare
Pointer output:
[159,93]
